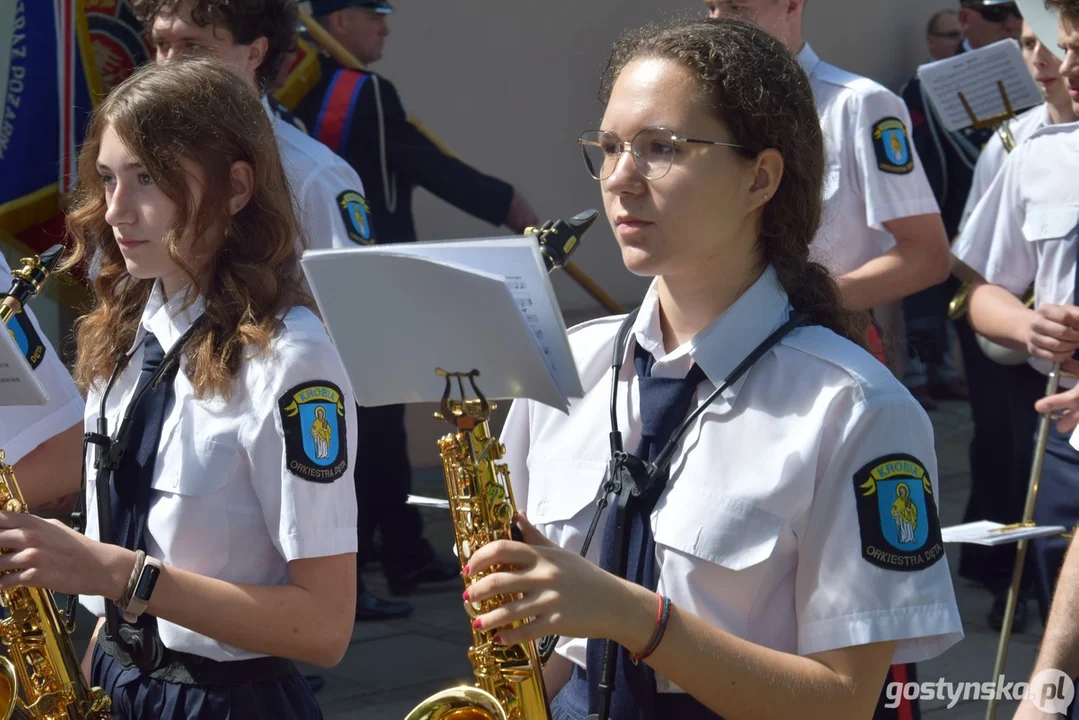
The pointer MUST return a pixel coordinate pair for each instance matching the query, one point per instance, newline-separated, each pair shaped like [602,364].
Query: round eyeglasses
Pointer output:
[652,150]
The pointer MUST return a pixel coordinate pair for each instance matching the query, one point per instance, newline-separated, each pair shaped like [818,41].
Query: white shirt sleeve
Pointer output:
[335,210]
[22,429]
[865,572]
[894,186]
[304,450]
[989,164]
[992,242]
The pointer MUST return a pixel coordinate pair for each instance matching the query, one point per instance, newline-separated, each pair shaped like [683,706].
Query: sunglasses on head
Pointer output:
[997,13]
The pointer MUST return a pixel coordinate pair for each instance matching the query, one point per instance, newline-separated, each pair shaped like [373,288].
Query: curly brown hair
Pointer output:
[194,109]
[757,88]
[247,20]
[1067,8]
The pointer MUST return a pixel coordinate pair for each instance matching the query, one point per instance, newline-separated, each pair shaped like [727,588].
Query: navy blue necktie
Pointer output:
[665,402]
[132,478]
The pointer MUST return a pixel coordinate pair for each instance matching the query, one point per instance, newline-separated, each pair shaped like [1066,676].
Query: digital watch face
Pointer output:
[147,581]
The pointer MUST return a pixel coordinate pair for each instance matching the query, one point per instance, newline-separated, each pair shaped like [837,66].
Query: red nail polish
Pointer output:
[465,594]
[477,623]
[466,572]
[497,639]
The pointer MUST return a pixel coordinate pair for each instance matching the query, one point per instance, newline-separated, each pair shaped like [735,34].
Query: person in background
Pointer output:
[950,158]
[254,37]
[360,116]
[943,35]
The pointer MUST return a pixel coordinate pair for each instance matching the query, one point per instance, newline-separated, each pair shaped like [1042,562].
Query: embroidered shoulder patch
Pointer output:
[897,514]
[356,214]
[313,418]
[26,337]
[892,144]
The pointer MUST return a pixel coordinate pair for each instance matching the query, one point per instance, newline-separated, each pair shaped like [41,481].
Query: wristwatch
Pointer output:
[144,588]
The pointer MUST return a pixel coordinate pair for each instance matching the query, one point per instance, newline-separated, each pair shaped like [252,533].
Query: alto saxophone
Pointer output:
[509,679]
[43,666]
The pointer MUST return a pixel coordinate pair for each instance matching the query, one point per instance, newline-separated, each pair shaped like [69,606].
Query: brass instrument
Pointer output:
[509,679]
[43,667]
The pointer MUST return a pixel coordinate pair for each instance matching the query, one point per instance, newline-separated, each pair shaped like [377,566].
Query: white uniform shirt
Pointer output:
[1024,230]
[757,531]
[994,154]
[22,429]
[868,181]
[327,192]
[225,503]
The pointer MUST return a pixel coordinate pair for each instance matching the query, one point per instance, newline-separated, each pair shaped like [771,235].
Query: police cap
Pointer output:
[325,7]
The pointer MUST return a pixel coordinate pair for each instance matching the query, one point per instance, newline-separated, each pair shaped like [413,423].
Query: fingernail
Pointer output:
[477,623]
[465,594]
[497,639]
[466,571]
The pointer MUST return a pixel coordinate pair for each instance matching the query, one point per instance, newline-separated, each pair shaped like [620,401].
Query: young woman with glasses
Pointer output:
[770,542]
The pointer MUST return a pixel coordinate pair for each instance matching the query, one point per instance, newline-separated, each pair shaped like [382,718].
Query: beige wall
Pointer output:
[511,85]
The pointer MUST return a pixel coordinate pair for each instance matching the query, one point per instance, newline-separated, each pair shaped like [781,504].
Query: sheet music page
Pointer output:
[395,318]
[976,74]
[987,532]
[517,259]
[18,383]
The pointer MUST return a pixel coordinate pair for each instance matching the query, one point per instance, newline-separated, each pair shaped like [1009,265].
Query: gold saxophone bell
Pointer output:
[459,703]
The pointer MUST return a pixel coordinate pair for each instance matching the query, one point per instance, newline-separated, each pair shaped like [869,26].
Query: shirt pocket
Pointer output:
[189,516]
[1051,222]
[730,532]
[559,490]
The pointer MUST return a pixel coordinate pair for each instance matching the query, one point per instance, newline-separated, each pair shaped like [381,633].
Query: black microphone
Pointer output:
[559,238]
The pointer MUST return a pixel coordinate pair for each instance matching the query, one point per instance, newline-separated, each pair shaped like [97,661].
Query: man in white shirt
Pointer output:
[255,37]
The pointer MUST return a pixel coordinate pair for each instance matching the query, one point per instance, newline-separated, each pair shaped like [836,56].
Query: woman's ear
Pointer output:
[241,185]
[767,174]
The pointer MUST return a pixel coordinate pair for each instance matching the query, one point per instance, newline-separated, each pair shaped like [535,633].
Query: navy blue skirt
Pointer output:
[138,696]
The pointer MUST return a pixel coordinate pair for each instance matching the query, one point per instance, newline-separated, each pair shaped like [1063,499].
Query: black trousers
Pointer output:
[383,477]
[999,458]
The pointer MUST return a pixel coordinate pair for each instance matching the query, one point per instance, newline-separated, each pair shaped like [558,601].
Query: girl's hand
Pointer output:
[48,554]
[562,592]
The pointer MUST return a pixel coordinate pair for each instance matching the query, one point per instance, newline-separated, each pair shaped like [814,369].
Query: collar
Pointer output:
[727,340]
[168,320]
[965,47]
[809,59]
[269,111]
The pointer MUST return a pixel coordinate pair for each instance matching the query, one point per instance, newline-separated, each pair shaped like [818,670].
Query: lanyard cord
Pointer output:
[110,451]
[612,485]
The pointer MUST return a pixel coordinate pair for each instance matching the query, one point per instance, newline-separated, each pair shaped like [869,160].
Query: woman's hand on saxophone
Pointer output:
[48,554]
[560,591]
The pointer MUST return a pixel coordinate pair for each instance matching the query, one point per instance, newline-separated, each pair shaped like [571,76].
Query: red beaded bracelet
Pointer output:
[663,614]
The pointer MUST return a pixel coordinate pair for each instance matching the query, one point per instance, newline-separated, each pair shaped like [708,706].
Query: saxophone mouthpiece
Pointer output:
[558,239]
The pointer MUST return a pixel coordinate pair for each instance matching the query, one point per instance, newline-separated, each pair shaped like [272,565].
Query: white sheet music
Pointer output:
[987,532]
[18,383]
[398,312]
[516,259]
[976,74]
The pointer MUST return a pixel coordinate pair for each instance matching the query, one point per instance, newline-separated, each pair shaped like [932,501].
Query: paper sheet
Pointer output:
[987,532]
[976,74]
[18,383]
[397,316]
[430,502]
[516,258]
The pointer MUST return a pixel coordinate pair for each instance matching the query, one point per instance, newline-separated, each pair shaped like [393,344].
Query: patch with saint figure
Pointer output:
[892,145]
[897,514]
[26,337]
[313,418]
[356,214]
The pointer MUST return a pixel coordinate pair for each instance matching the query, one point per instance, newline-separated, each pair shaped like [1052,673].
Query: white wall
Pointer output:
[511,85]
